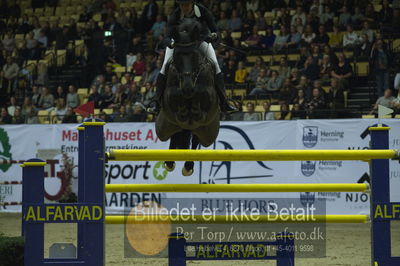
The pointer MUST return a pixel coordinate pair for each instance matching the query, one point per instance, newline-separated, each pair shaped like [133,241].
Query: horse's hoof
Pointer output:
[186,172]
[169,166]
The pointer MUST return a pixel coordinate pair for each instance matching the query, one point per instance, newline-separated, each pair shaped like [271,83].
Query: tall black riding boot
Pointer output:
[160,88]
[223,102]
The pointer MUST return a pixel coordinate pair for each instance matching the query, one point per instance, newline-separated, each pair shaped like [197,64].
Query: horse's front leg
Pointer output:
[187,169]
[173,144]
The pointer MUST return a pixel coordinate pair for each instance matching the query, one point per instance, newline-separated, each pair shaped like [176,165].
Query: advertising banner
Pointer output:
[58,146]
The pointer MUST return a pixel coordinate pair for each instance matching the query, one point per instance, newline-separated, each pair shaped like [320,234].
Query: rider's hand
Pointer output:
[214,36]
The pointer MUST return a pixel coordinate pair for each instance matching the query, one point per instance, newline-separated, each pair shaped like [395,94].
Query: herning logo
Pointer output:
[310,136]
[308,167]
[307,198]
[5,150]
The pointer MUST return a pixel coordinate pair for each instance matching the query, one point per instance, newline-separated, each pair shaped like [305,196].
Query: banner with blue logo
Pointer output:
[58,145]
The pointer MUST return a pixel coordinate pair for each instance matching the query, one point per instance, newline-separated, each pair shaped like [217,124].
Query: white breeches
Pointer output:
[206,48]
[397,81]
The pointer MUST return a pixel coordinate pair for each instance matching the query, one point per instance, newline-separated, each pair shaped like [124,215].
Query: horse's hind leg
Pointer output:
[187,169]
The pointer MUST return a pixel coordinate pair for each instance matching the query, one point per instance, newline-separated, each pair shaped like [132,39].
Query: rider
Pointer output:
[188,9]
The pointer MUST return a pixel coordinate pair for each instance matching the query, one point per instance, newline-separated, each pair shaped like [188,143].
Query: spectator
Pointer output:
[149,14]
[326,18]
[380,64]
[386,13]
[316,104]
[294,77]
[60,93]
[363,49]
[235,23]
[275,82]
[300,99]
[223,22]
[149,94]
[260,20]
[335,98]
[366,30]
[138,114]
[60,109]
[8,42]
[299,14]
[261,83]
[254,40]
[158,27]
[284,113]
[281,39]
[134,95]
[284,68]
[255,70]
[325,69]
[5,118]
[309,35]
[251,115]
[248,24]
[27,106]
[17,117]
[268,40]
[240,73]
[267,114]
[114,83]
[342,71]
[72,97]
[107,98]
[322,38]
[386,100]
[94,96]
[13,106]
[46,100]
[136,46]
[358,17]
[8,75]
[121,116]
[120,97]
[344,17]
[70,117]
[336,38]
[396,102]
[286,92]
[332,56]
[370,14]
[32,118]
[298,113]
[147,76]
[350,38]
[139,66]
[42,39]
[312,69]
[294,37]
[36,96]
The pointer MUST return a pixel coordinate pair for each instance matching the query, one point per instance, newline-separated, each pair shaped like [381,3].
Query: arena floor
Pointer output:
[347,244]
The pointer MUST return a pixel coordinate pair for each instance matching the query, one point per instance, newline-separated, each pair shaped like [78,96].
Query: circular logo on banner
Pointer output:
[159,171]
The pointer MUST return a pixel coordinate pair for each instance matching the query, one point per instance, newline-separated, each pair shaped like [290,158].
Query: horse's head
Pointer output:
[187,57]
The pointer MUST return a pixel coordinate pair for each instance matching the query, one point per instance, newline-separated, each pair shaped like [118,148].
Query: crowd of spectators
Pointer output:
[325,34]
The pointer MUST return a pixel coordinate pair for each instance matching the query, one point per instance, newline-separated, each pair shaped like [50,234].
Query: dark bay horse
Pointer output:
[190,111]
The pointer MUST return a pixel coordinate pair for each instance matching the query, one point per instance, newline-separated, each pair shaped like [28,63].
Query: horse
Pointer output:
[190,112]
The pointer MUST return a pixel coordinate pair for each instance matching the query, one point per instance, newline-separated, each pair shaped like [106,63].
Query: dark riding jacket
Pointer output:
[201,13]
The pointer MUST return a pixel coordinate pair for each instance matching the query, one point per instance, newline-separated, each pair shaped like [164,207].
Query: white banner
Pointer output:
[58,145]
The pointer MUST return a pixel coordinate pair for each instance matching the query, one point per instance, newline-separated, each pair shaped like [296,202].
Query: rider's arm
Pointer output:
[208,18]
[172,23]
